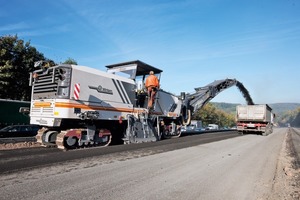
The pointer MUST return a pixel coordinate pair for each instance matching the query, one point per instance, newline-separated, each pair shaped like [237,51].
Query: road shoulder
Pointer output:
[286,182]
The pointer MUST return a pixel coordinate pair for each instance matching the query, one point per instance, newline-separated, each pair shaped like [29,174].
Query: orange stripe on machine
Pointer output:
[42,104]
[90,107]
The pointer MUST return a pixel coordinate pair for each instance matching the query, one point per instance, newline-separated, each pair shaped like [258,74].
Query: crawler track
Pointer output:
[71,139]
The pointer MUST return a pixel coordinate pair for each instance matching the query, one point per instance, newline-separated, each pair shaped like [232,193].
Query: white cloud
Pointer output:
[14,27]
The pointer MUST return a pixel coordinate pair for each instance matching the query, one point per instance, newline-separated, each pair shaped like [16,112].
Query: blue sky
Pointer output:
[194,42]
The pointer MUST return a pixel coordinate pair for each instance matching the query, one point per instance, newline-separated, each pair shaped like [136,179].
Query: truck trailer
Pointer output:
[10,112]
[254,118]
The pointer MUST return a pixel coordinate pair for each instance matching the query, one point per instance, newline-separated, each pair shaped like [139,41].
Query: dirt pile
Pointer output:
[18,145]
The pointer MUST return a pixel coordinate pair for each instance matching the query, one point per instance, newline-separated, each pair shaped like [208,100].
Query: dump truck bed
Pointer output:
[254,113]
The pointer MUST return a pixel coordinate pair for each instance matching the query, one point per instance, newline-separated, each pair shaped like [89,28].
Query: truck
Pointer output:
[11,112]
[256,118]
[79,106]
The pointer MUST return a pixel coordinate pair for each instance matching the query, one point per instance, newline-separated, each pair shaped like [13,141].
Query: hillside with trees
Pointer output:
[291,118]
[210,114]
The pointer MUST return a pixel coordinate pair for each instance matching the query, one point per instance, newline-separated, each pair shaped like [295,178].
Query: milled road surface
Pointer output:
[20,159]
[236,168]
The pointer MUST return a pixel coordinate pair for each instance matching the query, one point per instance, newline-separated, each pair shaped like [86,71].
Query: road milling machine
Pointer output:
[78,106]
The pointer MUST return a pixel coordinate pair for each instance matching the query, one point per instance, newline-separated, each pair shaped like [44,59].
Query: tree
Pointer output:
[70,61]
[209,114]
[16,61]
[290,117]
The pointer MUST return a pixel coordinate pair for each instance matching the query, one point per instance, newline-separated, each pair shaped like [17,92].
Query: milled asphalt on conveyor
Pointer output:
[23,159]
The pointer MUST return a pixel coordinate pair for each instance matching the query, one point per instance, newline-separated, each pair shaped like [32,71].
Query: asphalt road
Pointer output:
[236,168]
[24,159]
